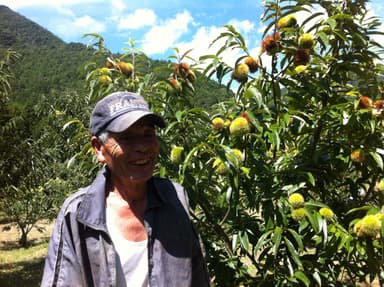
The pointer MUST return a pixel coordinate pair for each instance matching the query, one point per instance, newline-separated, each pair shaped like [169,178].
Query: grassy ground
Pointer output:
[22,267]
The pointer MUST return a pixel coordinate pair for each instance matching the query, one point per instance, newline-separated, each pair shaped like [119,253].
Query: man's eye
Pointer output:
[150,135]
[133,138]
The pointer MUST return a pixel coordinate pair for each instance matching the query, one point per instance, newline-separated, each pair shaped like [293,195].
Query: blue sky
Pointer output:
[156,26]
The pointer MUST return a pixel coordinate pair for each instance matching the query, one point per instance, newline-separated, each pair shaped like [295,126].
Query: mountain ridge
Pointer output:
[14,31]
[47,63]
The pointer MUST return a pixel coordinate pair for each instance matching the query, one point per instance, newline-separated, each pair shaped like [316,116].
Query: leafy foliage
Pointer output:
[34,179]
[293,195]
[307,117]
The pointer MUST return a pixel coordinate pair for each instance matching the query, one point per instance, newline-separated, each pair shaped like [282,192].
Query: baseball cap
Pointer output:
[119,110]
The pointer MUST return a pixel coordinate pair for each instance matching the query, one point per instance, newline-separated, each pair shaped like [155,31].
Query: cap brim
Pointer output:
[126,120]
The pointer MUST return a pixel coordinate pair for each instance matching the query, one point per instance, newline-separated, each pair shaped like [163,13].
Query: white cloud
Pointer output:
[75,28]
[261,29]
[139,19]
[118,5]
[200,42]
[88,23]
[244,27]
[164,36]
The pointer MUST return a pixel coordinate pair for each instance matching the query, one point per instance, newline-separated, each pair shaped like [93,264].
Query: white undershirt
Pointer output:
[131,259]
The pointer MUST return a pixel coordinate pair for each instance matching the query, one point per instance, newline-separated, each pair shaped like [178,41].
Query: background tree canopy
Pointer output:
[284,171]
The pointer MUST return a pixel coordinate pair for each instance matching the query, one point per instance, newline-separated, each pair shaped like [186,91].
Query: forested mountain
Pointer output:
[47,63]
[50,64]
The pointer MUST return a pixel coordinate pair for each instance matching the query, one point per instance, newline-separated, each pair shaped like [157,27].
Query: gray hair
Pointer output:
[103,136]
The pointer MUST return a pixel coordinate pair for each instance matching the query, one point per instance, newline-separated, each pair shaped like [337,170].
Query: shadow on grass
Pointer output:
[22,267]
[22,274]
[12,245]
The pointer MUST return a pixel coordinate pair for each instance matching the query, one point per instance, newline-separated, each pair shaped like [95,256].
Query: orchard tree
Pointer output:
[288,180]
[34,152]
[303,204]
[34,178]
[286,176]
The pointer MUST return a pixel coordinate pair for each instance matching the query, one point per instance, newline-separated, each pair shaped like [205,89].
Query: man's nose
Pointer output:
[144,144]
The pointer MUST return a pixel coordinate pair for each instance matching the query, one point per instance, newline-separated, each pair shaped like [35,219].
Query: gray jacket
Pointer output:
[81,252]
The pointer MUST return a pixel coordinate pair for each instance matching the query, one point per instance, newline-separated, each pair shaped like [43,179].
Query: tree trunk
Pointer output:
[23,241]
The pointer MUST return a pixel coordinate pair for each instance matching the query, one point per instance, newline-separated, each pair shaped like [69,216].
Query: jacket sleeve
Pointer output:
[62,266]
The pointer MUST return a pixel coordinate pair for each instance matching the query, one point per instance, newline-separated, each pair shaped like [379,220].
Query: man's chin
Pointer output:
[140,176]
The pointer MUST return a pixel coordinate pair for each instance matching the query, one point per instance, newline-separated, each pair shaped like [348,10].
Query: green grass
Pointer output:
[20,266]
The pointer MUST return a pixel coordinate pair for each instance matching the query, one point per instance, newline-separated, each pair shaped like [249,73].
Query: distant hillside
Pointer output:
[18,31]
[48,63]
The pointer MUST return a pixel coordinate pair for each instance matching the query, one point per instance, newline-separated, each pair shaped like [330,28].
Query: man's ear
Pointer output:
[98,149]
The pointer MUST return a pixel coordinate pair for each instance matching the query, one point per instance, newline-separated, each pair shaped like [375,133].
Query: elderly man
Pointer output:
[128,228]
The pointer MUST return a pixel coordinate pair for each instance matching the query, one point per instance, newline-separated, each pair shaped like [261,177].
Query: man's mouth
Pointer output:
[142,162]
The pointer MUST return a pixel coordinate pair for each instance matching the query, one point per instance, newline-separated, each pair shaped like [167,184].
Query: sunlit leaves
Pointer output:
[305,122]
[7,58]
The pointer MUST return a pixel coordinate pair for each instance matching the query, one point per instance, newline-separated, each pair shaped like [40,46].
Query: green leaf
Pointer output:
[228,194]
[246,172]
[244,240]
[323,38]
[314,220]
[357,209]
[302,277]
[277,234]
[170,126]
[234,241]
[71,123]
[324,227]
[293,252]
[331,22]
[274,138]
[290,267]
[72,160]
[268,27]
[341,35]
[297,238]
[344,242]
[311,178]
[378,159]
[317,277]
[253,93]
[189,156]
[262,241]
[179,115]
[207,57]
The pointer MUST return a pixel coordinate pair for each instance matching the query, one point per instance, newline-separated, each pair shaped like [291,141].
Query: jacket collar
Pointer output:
[91,211]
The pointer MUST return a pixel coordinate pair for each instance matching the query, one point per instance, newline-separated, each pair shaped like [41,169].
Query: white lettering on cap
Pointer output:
[126,104]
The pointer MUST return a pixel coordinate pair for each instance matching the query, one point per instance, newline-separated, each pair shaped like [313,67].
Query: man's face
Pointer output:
[132,154]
